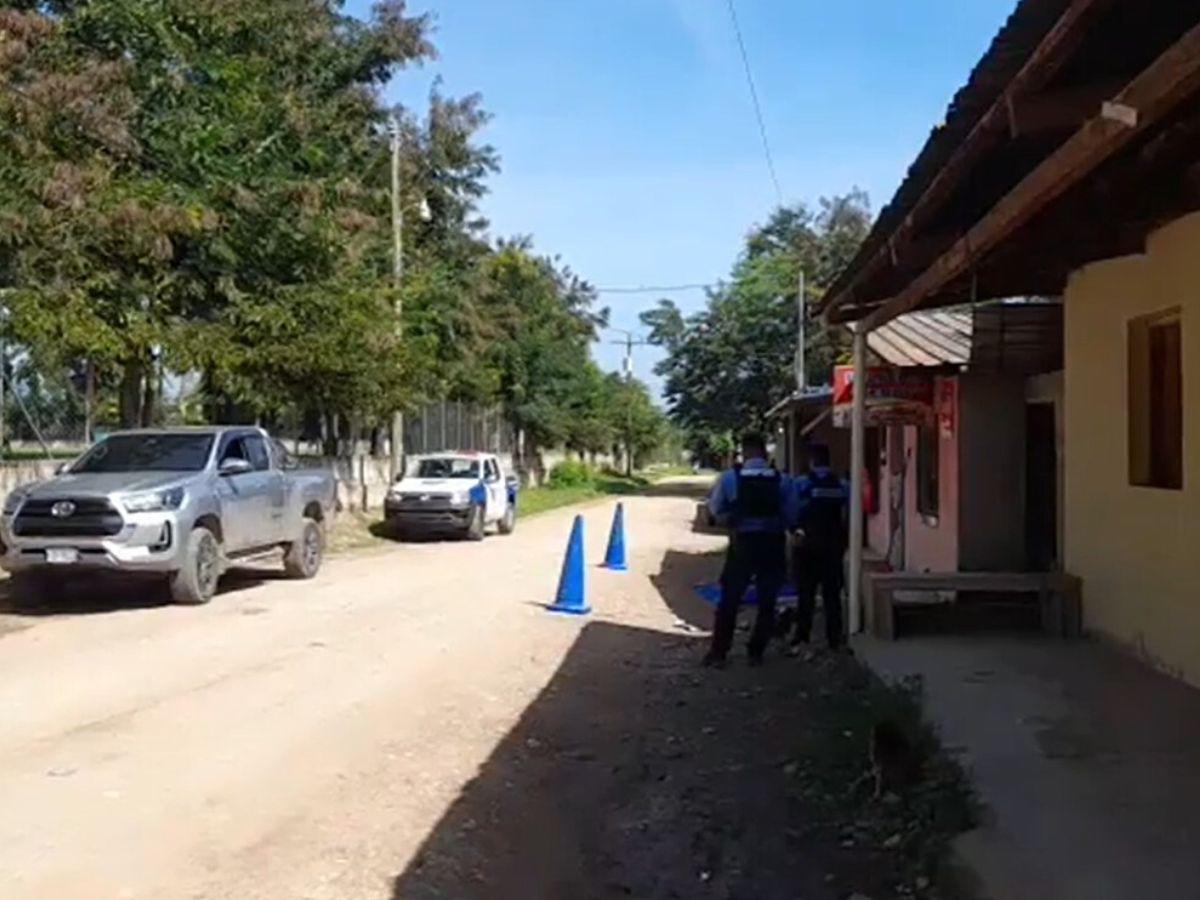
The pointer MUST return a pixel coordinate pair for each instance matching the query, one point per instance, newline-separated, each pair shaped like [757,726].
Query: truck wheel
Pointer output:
[196,581]
[508,524]
[476,527]
[302,558]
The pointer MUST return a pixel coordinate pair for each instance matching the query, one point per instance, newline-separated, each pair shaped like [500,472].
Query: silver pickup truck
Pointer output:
[179,503]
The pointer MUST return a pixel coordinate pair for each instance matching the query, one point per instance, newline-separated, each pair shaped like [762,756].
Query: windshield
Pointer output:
[147,453]
[448,467]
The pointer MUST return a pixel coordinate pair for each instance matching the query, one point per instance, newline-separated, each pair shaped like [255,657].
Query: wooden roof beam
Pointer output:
[1061,110]
[1169,80]
[1043,64]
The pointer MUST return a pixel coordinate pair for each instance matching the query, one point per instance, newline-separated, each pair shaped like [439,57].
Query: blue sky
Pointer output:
[627,136]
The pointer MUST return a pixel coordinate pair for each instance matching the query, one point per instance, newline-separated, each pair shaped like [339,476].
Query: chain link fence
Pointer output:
[456,426]
[50,413]
[42,413]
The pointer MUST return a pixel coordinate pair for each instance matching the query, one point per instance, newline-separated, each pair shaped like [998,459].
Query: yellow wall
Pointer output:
[1137,549]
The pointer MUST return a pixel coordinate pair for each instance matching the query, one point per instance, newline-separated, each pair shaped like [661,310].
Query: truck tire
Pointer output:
[196,581]
[302,558]
[508,522]
[475,528]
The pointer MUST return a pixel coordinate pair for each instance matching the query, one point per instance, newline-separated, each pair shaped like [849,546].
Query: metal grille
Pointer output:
[91,517]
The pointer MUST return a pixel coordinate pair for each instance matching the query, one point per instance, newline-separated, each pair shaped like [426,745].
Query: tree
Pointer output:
[539,322]
[167,168]
[639,424]
[728,364]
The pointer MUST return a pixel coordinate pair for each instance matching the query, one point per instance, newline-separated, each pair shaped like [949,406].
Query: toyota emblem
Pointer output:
[63,509]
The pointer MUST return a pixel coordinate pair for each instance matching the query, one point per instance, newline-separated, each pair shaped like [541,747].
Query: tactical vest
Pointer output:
[824,513]
[756,495]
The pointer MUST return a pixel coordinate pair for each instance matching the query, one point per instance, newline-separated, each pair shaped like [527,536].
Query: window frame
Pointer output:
[1154,461]
[248,442]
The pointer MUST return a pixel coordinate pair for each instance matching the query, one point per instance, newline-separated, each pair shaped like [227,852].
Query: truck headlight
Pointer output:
[153,501]
[460,498]
[12,502]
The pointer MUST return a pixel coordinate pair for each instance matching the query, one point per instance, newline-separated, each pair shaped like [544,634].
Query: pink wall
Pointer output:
[932,547]
[879,525]
[929,546]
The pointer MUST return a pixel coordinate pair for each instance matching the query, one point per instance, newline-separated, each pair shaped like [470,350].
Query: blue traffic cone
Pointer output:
[571,597]
[614,557]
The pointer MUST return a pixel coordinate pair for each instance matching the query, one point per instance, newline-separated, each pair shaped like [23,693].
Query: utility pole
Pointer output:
[397,444]
[627,365]
[800,336]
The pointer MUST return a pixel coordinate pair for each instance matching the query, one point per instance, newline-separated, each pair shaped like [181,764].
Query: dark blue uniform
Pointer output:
[822,501]
[757,502]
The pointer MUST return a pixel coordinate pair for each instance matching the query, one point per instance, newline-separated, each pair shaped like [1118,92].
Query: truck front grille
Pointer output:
[90,517]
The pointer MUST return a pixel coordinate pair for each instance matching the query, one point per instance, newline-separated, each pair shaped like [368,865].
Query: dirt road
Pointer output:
[289,740]
[410,724]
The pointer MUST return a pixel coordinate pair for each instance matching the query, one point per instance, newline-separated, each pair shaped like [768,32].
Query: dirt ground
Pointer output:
[413,724]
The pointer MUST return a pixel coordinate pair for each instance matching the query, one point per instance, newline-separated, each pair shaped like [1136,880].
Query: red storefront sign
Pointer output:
[894,396]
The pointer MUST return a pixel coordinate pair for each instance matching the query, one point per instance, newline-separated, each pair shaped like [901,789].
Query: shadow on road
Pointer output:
[100,592]
[676,581]
[386,532]
[695,488]
[635,773]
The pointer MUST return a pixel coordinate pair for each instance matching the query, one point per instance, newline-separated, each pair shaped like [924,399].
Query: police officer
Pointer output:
[756,501]
[822,501]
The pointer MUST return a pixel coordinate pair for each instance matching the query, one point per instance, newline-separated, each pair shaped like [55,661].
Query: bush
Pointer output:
[572,473]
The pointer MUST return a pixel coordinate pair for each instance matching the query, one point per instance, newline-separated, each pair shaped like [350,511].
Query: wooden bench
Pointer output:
[1058,595]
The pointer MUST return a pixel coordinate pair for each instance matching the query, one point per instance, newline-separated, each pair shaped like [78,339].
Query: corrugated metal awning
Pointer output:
[1016,338]
[925,339]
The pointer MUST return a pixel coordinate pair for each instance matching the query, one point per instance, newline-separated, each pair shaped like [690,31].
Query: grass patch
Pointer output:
[532,501]
[355,530]
[916,817]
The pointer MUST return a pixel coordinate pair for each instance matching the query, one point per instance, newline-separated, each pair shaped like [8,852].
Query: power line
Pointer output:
[654,289]
[762,127]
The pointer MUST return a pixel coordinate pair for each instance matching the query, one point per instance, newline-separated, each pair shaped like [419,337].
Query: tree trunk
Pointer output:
[130,396]
[148,411]
[329,434]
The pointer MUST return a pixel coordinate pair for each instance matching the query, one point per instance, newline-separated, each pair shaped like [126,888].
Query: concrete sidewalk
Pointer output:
[1087,764]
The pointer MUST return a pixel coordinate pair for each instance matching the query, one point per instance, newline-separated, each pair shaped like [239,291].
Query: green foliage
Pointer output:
[204,187]
[571,473]
[539,322]
[732,361]
[206,182]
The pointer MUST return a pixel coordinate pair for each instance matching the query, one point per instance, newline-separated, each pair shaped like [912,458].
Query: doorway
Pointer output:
[1041,488]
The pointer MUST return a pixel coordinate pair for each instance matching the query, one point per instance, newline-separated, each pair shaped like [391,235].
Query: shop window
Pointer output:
[927,471]
[1156,402]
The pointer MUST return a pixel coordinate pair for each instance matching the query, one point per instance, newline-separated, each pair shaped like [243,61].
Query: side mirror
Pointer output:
[234,466]
[62,468]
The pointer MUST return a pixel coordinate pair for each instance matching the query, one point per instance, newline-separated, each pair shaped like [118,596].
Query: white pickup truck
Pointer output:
[452,493]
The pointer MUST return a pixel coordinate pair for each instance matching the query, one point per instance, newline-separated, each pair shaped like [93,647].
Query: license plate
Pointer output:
[62,555]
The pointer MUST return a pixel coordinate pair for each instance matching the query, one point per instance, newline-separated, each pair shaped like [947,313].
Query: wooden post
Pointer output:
[857,465]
